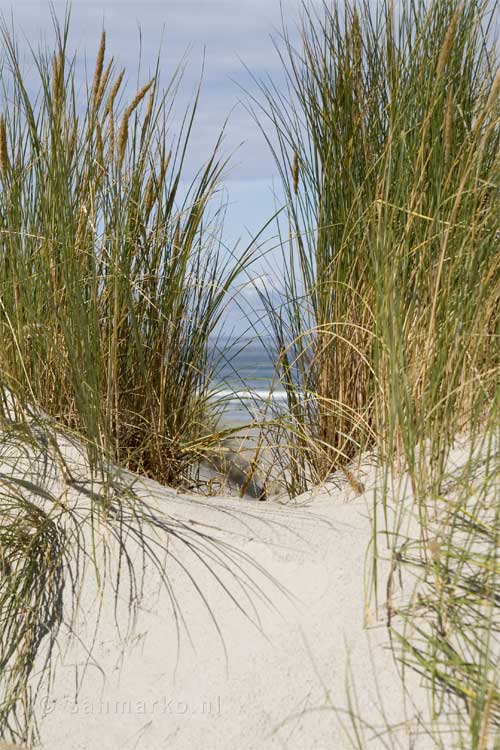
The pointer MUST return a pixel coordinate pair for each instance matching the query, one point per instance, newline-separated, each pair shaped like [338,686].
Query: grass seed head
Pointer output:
[57,83]
[104,82]
[139,97]
[357,43]
[96,83]
[123,134]
[113,93]
[448,42]
[295,173]
[122,139]
[4,152]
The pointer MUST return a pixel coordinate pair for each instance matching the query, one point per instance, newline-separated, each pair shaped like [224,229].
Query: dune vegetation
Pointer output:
[113,276]
[388,333]
[112,272]
[111,281]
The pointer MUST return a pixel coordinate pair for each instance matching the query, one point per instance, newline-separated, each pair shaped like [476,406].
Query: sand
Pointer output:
[258,635]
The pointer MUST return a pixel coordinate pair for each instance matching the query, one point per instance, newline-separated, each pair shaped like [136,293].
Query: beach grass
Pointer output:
[112,279]
[387,331]
[112,273]
[113,276]
[388,150]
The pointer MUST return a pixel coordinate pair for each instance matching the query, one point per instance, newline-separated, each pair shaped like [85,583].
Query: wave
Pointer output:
[250,395]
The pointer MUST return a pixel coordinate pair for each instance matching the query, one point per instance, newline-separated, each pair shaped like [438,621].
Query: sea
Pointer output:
[245,384]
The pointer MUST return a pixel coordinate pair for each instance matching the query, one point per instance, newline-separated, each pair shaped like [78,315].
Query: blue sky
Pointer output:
[228,32]
[227,35]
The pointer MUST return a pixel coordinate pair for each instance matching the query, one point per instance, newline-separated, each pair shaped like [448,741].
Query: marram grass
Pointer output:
[112,279]
[387,332]
[387,336]
[112,275]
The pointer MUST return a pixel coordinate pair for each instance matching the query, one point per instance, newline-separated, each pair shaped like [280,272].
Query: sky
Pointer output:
[231,40]
[227,35]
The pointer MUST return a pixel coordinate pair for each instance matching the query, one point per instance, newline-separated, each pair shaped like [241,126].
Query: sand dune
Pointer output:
[250,639]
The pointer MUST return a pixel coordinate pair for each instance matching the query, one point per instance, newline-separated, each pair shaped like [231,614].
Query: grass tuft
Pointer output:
[112,272]
[388,328]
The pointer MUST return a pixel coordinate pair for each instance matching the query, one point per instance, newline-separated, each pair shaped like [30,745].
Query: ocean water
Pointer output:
[246,381]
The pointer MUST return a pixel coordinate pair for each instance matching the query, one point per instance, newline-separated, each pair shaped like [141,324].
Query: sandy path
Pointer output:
[262,658]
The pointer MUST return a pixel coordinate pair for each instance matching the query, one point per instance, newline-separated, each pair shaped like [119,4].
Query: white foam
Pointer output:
[251,395]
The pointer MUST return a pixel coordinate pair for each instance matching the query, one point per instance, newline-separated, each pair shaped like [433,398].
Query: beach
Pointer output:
[250,626]
[249,475]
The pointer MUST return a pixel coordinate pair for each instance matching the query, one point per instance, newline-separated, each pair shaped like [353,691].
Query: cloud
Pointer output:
[226,32]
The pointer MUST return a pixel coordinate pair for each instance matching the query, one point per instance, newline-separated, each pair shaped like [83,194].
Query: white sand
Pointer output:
[275,624]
